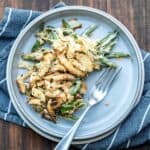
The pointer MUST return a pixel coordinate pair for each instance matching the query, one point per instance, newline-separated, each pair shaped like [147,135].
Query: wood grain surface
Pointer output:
[135,14]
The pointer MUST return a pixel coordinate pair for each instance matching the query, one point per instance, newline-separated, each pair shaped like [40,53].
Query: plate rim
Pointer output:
[74,142]
[93,10]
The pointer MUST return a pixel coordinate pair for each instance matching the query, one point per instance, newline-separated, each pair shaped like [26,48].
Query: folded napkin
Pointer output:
[135,130]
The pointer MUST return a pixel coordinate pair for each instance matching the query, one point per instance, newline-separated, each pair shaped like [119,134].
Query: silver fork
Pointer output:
[97,94]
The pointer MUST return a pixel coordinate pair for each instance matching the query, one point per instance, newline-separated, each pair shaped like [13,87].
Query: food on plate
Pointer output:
[58,64]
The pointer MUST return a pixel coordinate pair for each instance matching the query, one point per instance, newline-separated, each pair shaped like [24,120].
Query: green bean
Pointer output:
[51,27]
[36,46]
[108,39]
[107,62]
[70,32]
[28,57]
[35,56]
[117,55]
[66,110]
[48,34]
[53,35]
[70,117]
[107,48]
[89,30]
[75,88]
[65,24]
[79,104]
[74,24]
[38,108]
[67,31]
[70,107]
[71,24]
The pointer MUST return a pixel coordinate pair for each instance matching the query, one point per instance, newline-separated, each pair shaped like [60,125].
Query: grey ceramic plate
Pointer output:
[122,96]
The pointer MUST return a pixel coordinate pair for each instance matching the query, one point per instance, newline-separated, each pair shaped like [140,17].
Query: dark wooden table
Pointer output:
[135,14]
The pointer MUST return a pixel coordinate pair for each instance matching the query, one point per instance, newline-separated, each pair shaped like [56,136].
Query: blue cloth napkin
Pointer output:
[135,130]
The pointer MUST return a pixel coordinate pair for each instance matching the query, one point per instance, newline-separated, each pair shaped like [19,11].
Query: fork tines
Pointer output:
[106,77]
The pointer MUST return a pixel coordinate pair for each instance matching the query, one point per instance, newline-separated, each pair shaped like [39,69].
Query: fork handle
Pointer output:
[67,139]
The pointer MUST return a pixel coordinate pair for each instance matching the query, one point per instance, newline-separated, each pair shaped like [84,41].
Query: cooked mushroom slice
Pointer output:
[61,98]
[51,111]
[56,103]
[49,117]
[83,88]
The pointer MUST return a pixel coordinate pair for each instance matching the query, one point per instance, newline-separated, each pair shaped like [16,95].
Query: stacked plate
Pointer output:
[125,93]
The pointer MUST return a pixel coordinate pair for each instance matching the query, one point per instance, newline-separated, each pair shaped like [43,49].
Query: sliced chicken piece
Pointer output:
[78,65]
[72,47]
[68,65]
[33,79]
[60,77]
[21,85]
[59,46]
[34,101]
[85,61]
[38,93]
[47,84]
[43,68]
[52,94]
[40,83]
[49,57]
[56,67]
